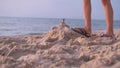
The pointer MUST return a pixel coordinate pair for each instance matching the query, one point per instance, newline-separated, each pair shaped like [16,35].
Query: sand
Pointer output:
[60,47]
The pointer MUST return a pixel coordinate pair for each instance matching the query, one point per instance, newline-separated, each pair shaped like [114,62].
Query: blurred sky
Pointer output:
[54,8]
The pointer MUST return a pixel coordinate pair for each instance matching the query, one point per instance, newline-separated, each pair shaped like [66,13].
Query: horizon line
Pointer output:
[50,18]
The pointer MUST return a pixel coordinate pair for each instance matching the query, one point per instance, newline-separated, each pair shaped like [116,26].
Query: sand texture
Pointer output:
[60,47]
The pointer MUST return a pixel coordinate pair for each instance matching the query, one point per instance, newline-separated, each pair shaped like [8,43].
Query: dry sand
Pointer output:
[60,48]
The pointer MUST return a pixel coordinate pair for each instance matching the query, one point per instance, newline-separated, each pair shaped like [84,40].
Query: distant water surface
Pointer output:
[20,26]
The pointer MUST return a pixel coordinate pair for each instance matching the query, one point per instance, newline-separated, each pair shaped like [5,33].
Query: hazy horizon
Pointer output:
[54,9]
[54,18]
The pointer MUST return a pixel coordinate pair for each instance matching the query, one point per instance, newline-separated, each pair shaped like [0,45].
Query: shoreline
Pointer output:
[94,31]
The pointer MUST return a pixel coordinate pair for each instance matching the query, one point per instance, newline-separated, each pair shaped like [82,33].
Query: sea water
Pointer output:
[21,26]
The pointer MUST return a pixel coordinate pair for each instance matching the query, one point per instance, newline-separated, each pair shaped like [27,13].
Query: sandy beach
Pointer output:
[60,47]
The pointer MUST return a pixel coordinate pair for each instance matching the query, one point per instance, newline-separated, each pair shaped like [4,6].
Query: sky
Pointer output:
[54,9]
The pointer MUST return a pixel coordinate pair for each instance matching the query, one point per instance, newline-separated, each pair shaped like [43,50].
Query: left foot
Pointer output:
[107,35]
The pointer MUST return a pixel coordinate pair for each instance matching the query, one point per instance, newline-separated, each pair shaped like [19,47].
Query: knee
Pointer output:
[105,2]
[86,2]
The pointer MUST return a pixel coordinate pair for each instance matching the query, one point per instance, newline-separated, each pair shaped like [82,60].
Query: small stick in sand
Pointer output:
[63,20]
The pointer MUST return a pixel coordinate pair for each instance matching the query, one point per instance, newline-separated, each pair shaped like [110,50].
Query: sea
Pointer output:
[11,26]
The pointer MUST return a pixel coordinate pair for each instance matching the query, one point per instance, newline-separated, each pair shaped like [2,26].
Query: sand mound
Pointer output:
[60,48]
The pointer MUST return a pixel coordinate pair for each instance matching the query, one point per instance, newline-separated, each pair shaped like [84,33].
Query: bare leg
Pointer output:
[87,15]
[109,16]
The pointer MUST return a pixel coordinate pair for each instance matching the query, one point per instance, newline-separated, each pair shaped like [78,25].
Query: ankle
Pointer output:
[88,30]
[110,33]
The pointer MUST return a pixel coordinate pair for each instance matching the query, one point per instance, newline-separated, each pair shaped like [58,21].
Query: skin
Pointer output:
[108,13]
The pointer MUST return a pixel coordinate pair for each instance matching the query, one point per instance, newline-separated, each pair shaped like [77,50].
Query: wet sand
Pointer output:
[60,47]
